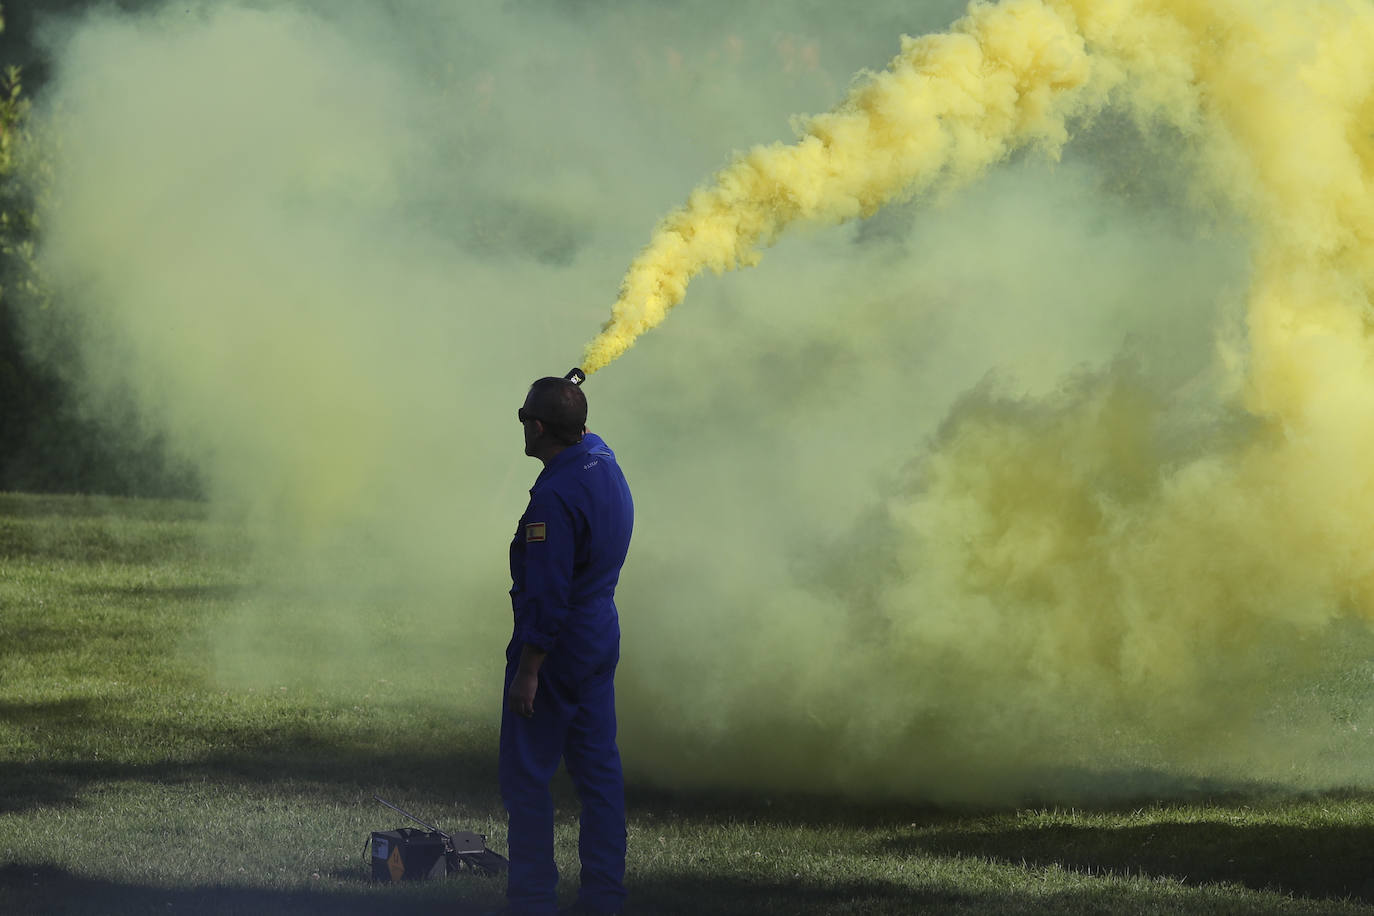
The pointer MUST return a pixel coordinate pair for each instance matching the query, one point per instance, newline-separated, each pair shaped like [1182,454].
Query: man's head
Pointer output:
[554,417]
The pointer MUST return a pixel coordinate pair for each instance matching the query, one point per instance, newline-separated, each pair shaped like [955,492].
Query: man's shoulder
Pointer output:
[597,445]
[586,474]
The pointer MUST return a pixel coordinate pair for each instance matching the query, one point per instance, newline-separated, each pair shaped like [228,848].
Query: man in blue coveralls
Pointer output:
[560,665]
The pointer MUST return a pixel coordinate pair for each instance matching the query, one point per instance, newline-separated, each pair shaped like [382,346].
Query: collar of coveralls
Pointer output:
[568,455]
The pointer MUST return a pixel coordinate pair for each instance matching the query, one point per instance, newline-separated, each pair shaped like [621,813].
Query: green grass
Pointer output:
[131,783]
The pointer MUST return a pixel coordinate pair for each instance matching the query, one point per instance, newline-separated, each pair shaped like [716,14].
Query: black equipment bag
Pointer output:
[410,854]
[407,854]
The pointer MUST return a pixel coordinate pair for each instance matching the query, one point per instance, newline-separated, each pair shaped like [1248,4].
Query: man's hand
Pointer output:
[520,697]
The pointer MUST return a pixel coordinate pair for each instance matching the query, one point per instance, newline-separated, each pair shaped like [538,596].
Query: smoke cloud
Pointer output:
[1043,475]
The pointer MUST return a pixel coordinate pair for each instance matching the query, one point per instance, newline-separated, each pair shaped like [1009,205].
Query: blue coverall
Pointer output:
[565,561]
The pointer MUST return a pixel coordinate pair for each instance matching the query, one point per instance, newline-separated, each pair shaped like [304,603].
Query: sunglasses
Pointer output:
[524,416]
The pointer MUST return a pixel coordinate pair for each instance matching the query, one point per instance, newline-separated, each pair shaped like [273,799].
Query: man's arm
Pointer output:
[549,552]
[520,697]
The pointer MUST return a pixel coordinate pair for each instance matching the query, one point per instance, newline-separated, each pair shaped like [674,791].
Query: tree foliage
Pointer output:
[47,442]
[17,213]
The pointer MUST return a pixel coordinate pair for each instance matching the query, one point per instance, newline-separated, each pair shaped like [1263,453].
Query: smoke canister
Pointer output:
[576,376]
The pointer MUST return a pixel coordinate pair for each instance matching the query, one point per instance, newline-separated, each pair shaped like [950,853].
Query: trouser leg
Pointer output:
[594,764]
[530,751]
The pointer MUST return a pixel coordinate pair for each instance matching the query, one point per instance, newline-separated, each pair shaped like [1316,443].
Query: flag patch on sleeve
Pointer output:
[534,532]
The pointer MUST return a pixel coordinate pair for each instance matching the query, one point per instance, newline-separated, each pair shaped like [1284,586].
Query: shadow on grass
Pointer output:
[44,711]
[44,889]
[48,890]
[458,759]
[736,896]
[1327,861]
[461,764]
[799,809]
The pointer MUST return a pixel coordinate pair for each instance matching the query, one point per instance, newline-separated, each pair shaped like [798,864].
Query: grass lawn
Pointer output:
[130,782]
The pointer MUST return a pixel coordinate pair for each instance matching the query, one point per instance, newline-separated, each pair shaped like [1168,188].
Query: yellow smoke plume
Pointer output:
[1278,92]
[1278,99]
[1060,547]
[947,107]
